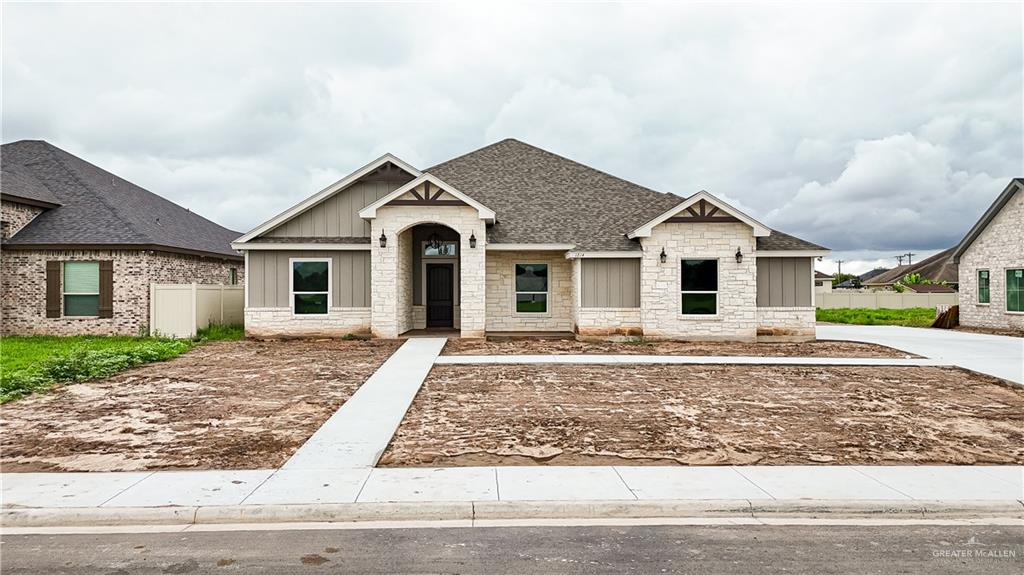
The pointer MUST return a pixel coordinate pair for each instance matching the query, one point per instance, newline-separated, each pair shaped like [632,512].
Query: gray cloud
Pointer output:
[870,129]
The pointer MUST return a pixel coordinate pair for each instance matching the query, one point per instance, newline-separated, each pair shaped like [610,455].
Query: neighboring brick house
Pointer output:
[81,246]
[512,239]
[991,259]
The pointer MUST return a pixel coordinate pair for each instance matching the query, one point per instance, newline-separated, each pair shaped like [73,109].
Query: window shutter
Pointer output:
[52,289]
[106,289]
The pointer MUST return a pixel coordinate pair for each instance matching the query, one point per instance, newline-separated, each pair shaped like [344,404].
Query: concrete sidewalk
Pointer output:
[688,359]
[359,432]
[997,355]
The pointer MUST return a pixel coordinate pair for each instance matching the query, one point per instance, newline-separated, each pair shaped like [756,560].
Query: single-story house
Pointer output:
[938,268]
[822,282]
[511,238]
[929,288]
[991,260]
[81,246]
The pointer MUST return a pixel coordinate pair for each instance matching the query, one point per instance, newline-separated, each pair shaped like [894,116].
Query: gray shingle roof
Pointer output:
[17,182]
[99,208]
[939,267]
[541,197]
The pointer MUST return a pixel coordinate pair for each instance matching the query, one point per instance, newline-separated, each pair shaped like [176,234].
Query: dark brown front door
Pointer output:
[440,300]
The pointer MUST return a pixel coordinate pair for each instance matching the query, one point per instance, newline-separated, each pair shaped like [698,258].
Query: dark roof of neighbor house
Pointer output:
[930,288]
[1015,185]
[543,198]
[939,267]
[822,276]
[98,208]
[871,273]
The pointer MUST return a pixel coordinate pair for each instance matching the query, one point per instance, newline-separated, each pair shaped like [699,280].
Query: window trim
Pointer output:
[718,280]
[977,277]
[291,286]
[516,292]
[1006,291]
[64,294]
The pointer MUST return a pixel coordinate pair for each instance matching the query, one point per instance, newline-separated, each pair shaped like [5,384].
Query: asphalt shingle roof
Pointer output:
[543,198]
[98,207]
[936,268]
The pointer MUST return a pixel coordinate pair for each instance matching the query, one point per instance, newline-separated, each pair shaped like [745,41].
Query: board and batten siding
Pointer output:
[337,216]
[784,282]
[268,277]
[610,283]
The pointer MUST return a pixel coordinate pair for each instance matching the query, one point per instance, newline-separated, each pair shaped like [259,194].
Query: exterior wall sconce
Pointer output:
[383,240]
[472,240]
[663,256]
[739,256]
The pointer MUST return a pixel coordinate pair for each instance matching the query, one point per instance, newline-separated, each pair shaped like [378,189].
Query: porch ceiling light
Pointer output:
[383,240]
[472,240]
[739,256]
[663,256]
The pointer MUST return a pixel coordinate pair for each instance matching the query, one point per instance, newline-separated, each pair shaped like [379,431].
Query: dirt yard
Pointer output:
[567,346]
[226,405]
[708,415]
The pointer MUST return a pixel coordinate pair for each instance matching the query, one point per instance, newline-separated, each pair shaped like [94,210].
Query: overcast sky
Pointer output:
[871,129]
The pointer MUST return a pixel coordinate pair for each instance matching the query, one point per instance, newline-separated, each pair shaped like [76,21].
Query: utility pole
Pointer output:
[899,259]
[910,255]
[840,263]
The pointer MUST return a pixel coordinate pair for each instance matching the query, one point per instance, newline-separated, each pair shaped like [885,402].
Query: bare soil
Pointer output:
[708,415]
[818,348]
[225,405]
[991,330]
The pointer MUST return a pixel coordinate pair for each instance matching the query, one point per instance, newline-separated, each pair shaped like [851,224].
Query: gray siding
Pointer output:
[268,277]
[337,216]
[784,282]
[611,282]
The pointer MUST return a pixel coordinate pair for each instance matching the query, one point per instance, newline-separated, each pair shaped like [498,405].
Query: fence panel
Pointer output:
[883,299]
[179,310]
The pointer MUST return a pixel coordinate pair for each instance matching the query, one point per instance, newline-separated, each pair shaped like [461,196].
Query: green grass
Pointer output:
[35,364]
[910,317]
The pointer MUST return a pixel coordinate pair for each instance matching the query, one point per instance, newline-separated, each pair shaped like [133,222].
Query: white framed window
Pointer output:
[698,280]
[309,285]
[531,288]
[81,289]
[445,250]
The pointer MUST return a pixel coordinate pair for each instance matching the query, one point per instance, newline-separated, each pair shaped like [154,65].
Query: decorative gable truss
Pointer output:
[427,190]
[701,207]
[427,194]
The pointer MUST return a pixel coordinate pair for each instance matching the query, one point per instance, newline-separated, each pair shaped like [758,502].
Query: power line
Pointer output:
[909,256]
[899,259]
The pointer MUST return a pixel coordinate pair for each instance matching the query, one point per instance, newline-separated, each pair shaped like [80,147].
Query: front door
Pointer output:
[440,300]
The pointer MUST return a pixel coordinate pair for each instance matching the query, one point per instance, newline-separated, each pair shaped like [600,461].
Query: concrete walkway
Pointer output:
[536,484]
[692,359]
[357,434]
[997,355]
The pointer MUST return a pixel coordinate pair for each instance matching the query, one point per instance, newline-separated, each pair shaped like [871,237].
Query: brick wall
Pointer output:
[23,288]
[501,314]
[660,298]
[999,247]
[14,216]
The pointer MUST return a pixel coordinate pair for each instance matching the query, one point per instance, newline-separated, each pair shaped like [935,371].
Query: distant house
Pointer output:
[938,268]
[929,288]
[81,246]
[991,264]
[822,282]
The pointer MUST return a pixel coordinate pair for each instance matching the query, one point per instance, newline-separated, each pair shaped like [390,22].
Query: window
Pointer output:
[446,249]
[531,288]
[81,288]
[233,276]
[311,286]
[699,280]
[983,290]
[1015,289]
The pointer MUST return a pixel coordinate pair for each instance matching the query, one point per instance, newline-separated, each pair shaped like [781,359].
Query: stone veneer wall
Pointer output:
[279,322]
[660,282]
[501,314]
[15,215]
[785,323]
[391,267]
[23,290]
[999,247]
[597,322]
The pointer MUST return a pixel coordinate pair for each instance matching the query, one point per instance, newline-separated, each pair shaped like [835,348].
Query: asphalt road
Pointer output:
[524,550]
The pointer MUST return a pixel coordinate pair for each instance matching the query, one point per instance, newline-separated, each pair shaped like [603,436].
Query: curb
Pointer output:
[483,510]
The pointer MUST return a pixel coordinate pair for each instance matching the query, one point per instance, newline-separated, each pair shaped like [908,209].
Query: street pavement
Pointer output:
[703,549]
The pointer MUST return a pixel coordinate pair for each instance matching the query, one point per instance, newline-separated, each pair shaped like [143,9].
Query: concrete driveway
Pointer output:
[997,355]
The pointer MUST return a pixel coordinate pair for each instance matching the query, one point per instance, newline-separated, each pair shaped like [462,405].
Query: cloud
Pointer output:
[857,126]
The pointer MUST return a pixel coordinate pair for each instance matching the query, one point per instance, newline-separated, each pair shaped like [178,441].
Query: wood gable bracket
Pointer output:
[702,212]
[427,195]
[390,173]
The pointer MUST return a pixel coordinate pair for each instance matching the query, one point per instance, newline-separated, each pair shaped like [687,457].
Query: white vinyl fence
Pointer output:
[179,310]
[883,299]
